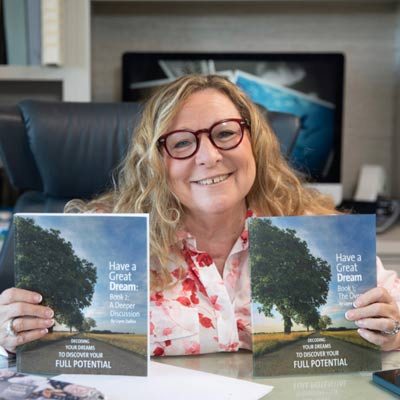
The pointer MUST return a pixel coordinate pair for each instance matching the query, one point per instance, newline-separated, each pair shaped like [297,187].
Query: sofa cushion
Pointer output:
[76,146]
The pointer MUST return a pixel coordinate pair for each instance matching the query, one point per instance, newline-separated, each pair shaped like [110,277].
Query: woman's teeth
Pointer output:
[211,181]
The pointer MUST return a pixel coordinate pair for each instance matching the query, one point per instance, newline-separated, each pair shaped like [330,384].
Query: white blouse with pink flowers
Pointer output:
[202,312]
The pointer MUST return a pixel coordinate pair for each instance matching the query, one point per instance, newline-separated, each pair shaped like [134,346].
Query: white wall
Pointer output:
[364,32]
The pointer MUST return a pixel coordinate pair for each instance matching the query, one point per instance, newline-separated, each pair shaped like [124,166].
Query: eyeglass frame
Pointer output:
[243,123]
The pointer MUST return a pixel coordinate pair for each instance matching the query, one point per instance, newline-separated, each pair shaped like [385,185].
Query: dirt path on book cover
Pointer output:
[43,359]
[346,357]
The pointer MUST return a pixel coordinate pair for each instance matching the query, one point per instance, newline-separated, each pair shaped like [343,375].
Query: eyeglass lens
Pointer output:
[225,136]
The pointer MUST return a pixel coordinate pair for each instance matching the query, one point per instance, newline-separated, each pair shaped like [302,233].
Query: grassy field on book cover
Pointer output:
[305,274]
[92,271]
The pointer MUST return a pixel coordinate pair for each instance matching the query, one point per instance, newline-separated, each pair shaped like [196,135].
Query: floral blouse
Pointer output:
[204,313]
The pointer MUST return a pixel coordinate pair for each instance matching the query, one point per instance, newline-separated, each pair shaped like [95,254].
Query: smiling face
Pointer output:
[212,181]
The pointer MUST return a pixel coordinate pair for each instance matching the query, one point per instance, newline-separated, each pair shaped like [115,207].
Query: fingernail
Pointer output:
[49,313]
[360,323]
[38,298]
[356,304]
[363,333]
[49,322]
[348,315]
[44,331]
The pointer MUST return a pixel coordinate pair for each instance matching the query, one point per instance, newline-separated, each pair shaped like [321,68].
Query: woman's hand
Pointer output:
[22,319]
[377,315]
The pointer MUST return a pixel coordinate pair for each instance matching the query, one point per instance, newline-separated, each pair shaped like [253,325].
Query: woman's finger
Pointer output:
[386,342]
[30,323]
[13,295]
[377,324]
[11,342]
[375,295]
[373,311]
[21,309]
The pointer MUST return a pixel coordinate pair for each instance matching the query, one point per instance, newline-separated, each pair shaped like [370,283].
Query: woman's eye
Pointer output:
[225,135]
[182,143]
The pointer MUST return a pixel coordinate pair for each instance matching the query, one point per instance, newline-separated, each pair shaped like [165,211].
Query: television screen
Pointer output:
[308,85]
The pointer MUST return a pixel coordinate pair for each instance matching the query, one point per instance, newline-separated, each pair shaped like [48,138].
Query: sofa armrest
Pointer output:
[15,152]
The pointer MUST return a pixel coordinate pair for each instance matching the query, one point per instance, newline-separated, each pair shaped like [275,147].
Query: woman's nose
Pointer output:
[207,154]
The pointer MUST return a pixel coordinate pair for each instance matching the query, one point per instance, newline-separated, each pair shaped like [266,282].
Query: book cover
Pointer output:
[92,270]
[16,386]
[306,273]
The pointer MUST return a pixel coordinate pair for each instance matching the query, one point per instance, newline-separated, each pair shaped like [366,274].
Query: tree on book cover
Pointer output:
[92,270]
[306,273]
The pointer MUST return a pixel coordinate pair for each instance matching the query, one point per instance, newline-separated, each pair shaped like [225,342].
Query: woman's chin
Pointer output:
[216,206]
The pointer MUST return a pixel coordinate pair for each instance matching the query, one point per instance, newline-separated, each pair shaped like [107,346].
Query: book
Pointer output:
[52,19]
[3,51]
[92,270]
[15,31]
[5,221]
[34,31]
[389,379]
[306,272]
[16,386]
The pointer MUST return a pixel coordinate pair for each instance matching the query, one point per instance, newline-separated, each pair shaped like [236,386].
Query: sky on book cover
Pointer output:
[327,236]
[102,239]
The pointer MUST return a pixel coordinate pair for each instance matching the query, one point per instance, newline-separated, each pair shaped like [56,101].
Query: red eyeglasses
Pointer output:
[224,135]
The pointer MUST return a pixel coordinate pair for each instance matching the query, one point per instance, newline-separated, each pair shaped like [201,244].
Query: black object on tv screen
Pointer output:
[308,85]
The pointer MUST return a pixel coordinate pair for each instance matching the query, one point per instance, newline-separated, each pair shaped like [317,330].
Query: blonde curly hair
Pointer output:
[142,186]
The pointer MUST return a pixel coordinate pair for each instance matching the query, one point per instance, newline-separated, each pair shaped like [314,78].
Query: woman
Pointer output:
[202,160]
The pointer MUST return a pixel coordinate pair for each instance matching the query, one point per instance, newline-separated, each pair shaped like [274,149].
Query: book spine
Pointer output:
[15,29]
[3,54]
[33,31]
[52,32]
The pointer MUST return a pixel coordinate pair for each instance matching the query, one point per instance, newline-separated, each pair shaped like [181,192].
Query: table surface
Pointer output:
[331,386]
